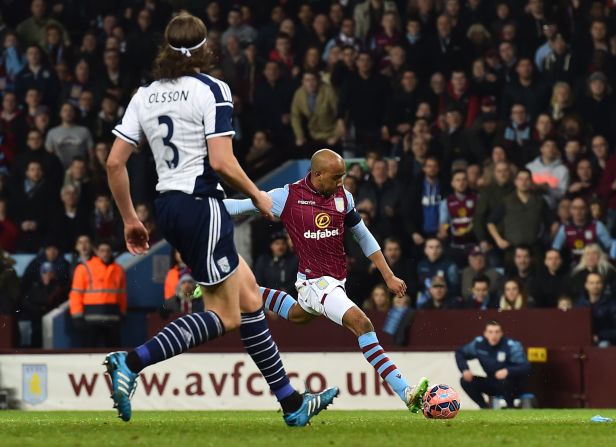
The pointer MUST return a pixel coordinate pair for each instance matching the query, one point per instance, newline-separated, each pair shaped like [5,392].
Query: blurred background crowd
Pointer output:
[480,136]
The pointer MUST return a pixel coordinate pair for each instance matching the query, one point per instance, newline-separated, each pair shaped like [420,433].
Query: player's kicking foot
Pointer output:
[311,406]
[123,382]
[415,394]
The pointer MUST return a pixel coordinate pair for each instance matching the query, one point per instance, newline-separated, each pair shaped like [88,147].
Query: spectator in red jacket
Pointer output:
[459,94]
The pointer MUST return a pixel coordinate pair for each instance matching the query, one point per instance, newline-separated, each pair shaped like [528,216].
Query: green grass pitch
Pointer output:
[331,428]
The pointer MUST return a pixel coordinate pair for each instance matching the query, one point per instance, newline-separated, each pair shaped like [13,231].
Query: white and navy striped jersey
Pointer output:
[177,118]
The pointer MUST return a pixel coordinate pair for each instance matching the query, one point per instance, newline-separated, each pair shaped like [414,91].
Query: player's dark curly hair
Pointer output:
[184,30]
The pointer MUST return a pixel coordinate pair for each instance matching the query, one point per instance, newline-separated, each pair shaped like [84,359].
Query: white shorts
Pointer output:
[323,296]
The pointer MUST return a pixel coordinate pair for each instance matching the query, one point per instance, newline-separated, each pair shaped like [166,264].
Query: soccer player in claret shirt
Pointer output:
[315,211]
[186,118]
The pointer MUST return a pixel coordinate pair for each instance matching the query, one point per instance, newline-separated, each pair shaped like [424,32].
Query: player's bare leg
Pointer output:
[224,300]
[337,307]
[298,315]
[357,322]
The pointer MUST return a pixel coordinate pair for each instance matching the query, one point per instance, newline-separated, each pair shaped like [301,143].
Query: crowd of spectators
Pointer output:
[487,130]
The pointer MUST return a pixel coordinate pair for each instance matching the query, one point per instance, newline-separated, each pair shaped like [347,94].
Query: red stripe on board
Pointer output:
[323,299]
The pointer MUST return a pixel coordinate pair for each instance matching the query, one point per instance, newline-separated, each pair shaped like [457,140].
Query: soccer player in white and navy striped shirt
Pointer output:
[186,118]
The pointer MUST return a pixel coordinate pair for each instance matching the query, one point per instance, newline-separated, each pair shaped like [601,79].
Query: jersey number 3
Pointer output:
[166,120]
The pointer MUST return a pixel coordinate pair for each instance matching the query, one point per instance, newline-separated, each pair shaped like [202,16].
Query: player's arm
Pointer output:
[217,112]
[237,207]
[228,168]
[119,182]
[128,134]
[117,175]
[395,284]
[372,251]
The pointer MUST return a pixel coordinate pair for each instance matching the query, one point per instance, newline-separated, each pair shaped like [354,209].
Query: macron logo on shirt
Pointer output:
[306,202]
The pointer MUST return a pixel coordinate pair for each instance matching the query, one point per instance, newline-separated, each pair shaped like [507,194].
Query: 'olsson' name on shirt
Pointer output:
[321,234]
[169,96]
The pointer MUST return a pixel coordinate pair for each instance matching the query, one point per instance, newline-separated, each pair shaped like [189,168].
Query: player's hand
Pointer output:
[136,238]
[501,374]
[263,202]
[396,285]
[467,375]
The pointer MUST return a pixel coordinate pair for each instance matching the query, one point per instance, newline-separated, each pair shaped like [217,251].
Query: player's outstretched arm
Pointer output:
[371,249]
[134,232]
[237,207]
[395,284]
[226,165]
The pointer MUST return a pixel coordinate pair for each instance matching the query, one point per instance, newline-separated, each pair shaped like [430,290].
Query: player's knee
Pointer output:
[231,321]
[365,325]
[361,325]
[250,299]
[299,317]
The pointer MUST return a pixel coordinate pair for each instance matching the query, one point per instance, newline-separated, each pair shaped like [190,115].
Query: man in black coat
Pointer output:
[603,310]
[525,89]
[547,285]
[364,101]
[277,269]
[35,151]
[45,293]
[31,204]
[272,103]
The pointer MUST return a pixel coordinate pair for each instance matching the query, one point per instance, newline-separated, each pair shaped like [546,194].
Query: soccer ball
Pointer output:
[441,402]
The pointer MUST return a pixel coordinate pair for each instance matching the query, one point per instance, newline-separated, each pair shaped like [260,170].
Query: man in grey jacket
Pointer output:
[550,175]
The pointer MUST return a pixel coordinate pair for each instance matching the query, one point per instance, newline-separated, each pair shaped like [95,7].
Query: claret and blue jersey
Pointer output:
[316,225]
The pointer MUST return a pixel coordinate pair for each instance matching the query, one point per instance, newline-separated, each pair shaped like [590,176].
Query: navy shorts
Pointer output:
[201,229]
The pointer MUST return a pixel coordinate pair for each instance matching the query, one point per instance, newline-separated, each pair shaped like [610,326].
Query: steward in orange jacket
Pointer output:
[98,298]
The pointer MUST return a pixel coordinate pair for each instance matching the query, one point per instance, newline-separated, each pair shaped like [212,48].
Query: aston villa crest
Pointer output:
[34,384]
[339,202]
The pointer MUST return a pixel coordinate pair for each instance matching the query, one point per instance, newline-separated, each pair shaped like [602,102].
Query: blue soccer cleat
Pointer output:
[123,382]
[311,406]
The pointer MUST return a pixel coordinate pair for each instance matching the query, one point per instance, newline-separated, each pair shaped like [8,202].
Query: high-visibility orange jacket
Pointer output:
[171,282]
[98,292]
